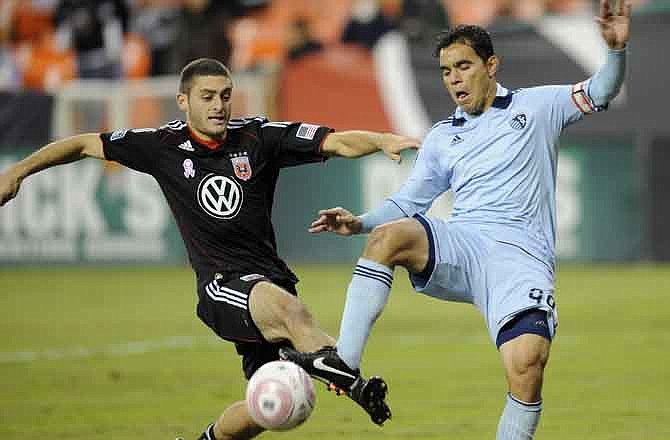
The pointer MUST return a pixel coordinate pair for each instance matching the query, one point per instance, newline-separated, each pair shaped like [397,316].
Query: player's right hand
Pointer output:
[337,220]
[9,187]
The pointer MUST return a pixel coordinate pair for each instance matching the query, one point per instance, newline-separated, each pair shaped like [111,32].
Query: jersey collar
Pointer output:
[211,145]
[502,100]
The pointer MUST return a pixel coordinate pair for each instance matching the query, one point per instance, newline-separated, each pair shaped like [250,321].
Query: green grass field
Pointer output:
[119,354]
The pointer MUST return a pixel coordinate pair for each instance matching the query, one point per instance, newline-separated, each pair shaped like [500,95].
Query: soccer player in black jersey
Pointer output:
[218,175]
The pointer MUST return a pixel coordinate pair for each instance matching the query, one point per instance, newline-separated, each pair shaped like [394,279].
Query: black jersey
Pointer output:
[222,198]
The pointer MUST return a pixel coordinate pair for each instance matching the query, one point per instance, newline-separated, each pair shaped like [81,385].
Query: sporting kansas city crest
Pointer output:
[241,165]
[519,121]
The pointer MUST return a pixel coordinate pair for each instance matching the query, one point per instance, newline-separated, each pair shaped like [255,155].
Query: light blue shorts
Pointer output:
[500,279]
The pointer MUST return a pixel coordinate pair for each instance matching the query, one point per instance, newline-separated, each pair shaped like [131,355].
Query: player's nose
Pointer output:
[217,104]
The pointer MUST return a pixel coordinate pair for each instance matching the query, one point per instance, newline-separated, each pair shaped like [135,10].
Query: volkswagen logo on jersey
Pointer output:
[519,121]
[220,196]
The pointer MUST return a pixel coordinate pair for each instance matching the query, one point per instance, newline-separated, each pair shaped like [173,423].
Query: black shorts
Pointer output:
[224,307]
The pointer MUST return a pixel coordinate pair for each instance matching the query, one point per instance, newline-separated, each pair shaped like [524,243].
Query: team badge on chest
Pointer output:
[519,121]
[241,165]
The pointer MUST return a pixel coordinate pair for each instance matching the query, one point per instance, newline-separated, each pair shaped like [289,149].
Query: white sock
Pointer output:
[519,420]
[366,297]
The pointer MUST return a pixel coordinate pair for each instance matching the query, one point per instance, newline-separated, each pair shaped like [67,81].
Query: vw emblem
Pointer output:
[220,196]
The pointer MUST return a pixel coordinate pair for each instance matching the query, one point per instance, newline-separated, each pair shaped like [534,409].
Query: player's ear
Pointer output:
[492,65]
[182,102]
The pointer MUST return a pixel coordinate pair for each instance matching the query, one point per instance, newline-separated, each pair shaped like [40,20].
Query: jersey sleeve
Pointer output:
[568,103]
[134,148]
[427,181]
[294,143]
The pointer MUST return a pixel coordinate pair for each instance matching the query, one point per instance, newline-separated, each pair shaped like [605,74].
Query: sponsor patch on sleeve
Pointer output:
[118,134]
[307,131]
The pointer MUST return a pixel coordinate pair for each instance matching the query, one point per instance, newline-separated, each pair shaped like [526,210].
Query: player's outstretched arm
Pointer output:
[356,143]
[614,25]
[63,151]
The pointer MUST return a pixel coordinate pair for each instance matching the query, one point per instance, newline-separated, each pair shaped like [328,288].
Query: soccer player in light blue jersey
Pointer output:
[498,154]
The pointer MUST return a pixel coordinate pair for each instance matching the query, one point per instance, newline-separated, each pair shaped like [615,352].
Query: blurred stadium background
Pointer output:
[96,303]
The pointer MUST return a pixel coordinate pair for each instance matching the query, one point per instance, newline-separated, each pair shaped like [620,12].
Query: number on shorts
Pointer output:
[539,296]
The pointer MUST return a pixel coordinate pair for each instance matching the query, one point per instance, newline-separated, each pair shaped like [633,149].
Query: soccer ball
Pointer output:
[280,396]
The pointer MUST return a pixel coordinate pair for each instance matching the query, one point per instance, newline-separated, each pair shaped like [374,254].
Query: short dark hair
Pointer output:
[201,67]
[474,36]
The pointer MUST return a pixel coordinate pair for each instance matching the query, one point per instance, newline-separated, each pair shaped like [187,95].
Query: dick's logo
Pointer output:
[220,196]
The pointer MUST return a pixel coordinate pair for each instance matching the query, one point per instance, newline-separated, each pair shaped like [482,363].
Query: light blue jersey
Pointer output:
[501,166]
[497,251]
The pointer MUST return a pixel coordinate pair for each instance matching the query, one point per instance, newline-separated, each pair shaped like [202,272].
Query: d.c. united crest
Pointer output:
[241,166]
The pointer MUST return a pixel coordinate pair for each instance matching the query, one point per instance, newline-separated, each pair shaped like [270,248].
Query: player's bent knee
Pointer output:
[526,353]
[400,242]
[380,240]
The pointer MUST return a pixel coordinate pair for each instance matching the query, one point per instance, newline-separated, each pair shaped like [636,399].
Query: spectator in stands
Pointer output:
[203,31]
[9,72]
[95,30]
[423,19]
[367,24]
[300,41]
[158,25]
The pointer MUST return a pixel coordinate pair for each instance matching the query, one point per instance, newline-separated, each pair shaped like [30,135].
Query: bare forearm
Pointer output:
[59,152]
[353,143]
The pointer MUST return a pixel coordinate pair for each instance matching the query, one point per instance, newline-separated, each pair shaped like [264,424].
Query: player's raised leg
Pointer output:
[524,358]
[281,316]
[253,309]
[403,242]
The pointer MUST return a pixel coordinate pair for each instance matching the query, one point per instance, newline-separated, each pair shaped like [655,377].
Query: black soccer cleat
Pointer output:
[326,366]
[371,396]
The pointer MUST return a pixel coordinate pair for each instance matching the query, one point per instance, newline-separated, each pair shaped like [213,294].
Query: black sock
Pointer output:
[208,434]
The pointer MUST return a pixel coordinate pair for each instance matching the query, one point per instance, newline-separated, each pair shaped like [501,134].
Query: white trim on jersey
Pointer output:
[274,124]
[175,125]
[245,121]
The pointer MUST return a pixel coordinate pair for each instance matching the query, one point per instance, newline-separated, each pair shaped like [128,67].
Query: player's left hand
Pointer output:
[615,23]
[393,144]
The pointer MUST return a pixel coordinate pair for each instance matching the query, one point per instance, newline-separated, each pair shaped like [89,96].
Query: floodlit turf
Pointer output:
[118,354]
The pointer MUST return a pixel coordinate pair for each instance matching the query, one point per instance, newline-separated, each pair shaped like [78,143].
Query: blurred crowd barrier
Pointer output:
[612,179]
[46,43]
